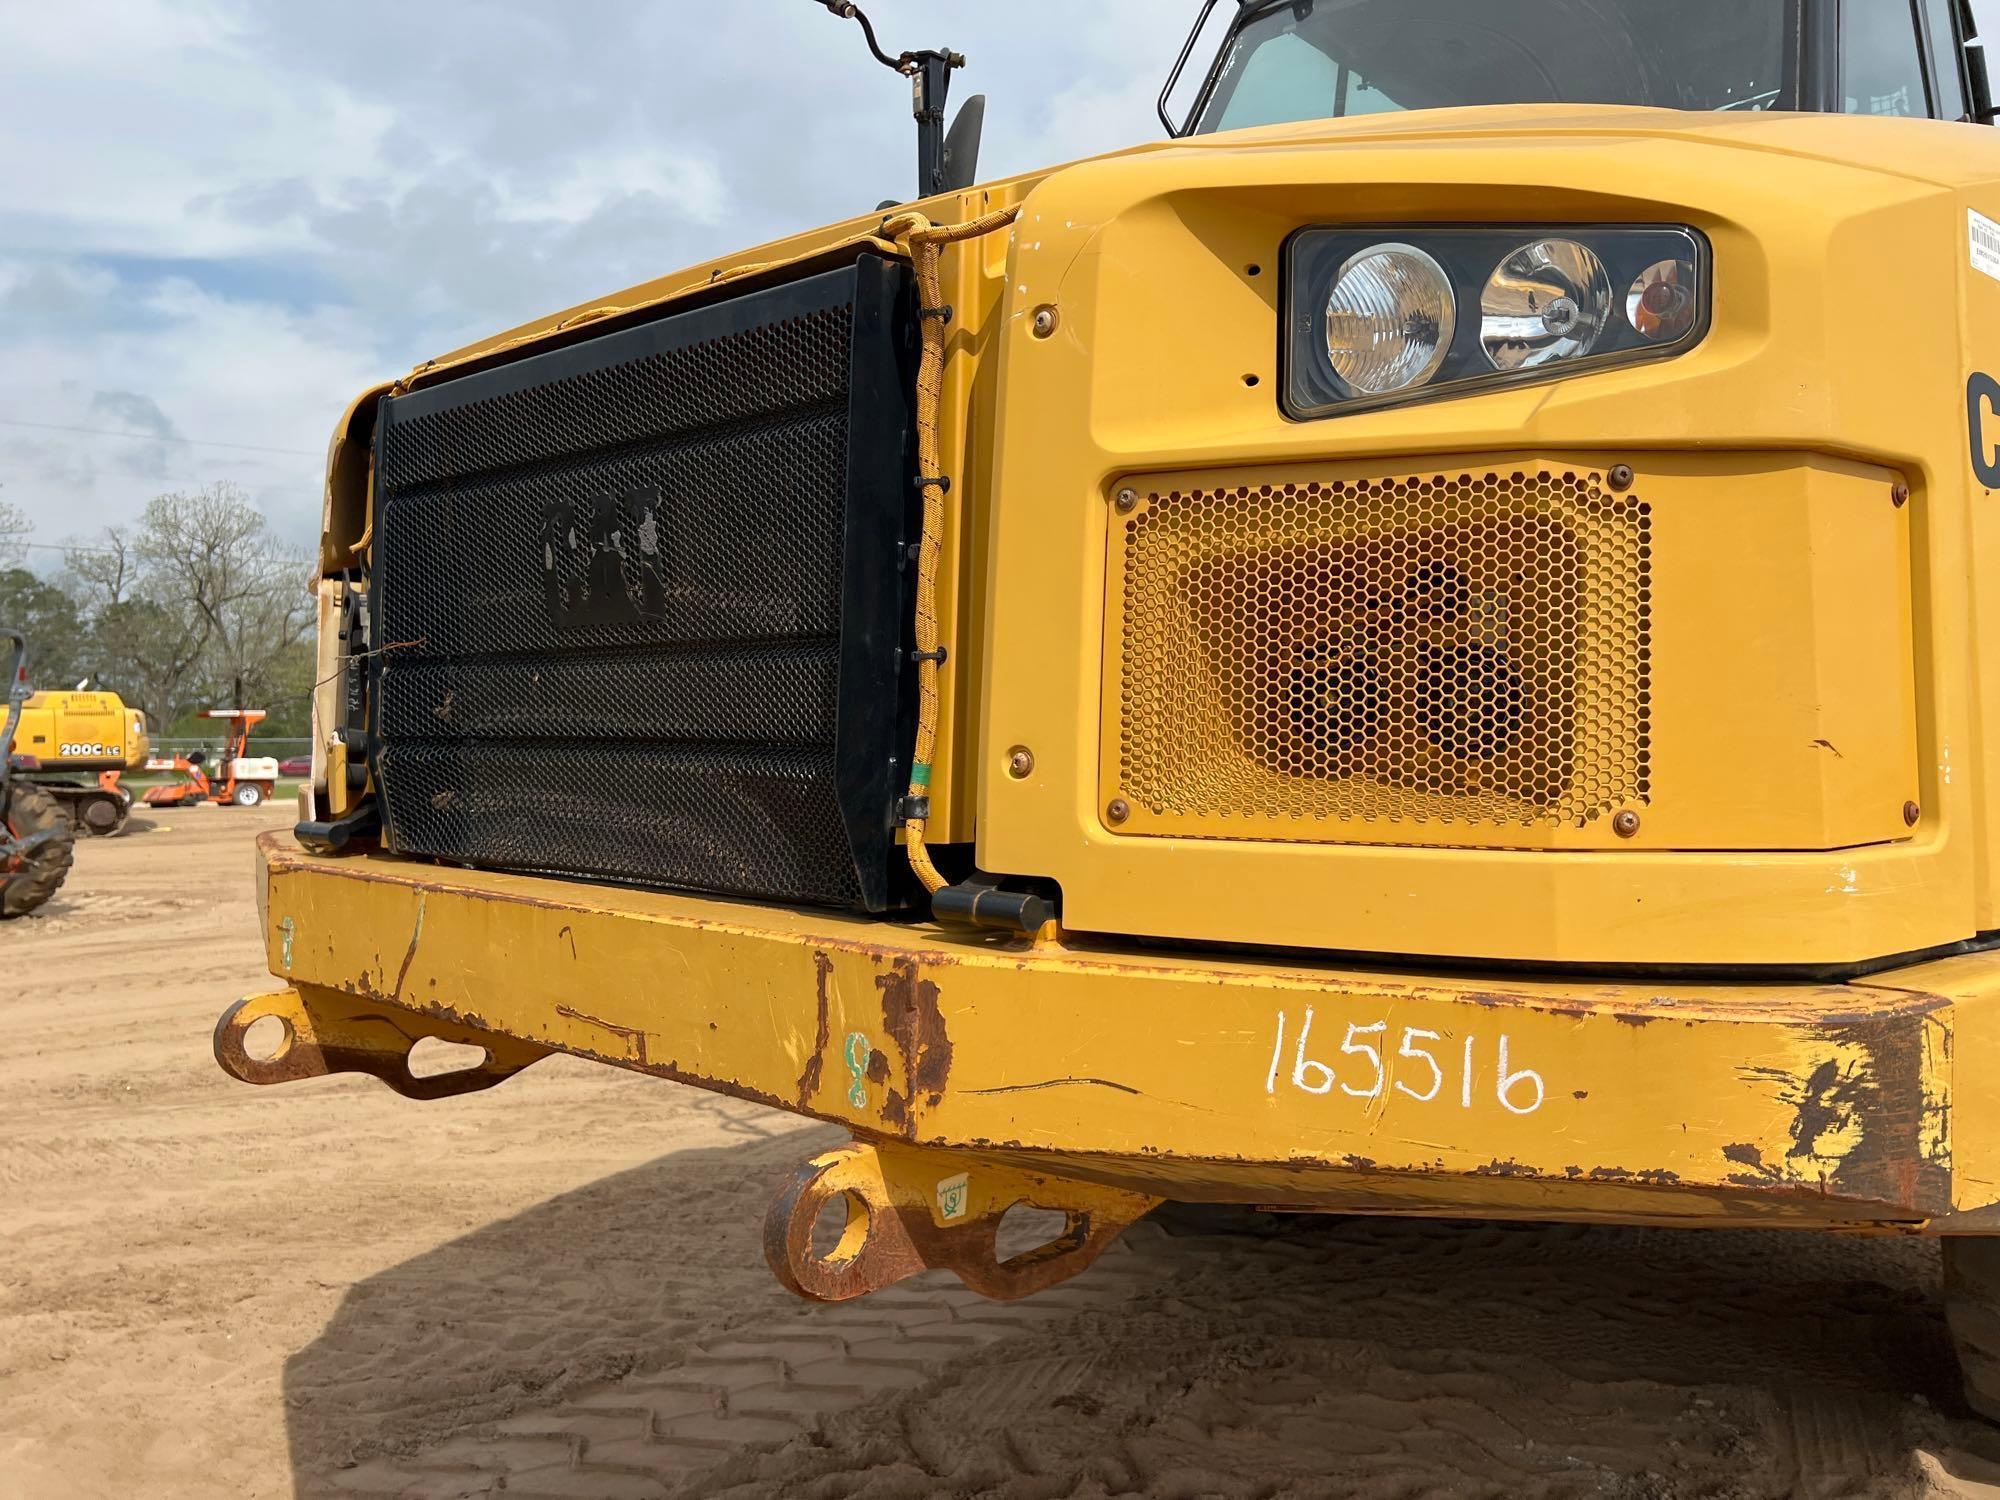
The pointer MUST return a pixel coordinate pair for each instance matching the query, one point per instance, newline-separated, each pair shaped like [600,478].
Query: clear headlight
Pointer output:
[1547,301]
[1390,319]
[1372,314]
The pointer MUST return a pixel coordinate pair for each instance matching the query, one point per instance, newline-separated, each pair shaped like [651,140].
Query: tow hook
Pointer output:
[322,1032]
[910,1209]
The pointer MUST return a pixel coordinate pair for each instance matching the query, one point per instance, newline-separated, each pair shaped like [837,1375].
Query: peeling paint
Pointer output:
[1761,1174]
[823,1033]
[1652,1176]
[1903,1154]
[633,1036]
[915,1023]
[410,955]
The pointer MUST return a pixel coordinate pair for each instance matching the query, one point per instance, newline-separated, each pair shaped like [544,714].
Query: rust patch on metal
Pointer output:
[633,1034]
[1897,1159]
[1504,1169]
[823,1033]
[878,1066]
[1863,1127]
[334,1033]
[1651,1176]
[410,954]
[915,1023]
[900,1236]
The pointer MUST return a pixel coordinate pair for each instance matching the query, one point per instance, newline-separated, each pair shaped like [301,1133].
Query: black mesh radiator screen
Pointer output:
[639,601]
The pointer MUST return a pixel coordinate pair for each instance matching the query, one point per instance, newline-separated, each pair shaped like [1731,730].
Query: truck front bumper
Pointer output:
[1144,1075]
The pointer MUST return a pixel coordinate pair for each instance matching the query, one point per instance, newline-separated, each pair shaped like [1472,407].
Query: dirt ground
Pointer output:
[555,1289]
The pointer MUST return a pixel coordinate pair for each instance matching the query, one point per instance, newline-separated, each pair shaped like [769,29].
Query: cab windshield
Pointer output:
[1314,59]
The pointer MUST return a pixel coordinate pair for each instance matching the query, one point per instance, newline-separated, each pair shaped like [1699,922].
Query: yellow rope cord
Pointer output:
[924,239]
[921,239]
[872,241]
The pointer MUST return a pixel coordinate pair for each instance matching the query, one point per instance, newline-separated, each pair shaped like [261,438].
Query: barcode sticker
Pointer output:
[1985,237]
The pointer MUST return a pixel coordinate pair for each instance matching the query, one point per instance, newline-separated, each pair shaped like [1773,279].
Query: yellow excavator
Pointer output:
[77,747]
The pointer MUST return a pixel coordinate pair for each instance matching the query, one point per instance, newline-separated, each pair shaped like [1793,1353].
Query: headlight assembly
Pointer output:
[1382,316]
[1547,301]
[1390,319]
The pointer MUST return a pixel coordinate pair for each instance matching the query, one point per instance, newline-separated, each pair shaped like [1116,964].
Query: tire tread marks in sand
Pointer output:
[1972,1311]
[30,810]
[751,1390]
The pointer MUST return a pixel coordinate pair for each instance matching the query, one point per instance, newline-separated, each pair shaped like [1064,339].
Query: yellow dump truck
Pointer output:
[1425,644]
[76,747]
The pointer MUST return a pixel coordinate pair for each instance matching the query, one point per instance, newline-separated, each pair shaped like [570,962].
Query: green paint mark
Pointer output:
[920,774]
[857,1064]
[289,928]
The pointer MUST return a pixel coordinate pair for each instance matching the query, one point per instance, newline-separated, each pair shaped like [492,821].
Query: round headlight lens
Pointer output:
[1547,301]
[1390,319]
[1661,303]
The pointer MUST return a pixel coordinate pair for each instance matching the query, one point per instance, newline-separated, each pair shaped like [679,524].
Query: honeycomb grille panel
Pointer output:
[1440,659]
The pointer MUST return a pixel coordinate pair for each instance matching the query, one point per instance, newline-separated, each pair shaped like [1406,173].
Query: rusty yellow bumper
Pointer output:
[1275,1081]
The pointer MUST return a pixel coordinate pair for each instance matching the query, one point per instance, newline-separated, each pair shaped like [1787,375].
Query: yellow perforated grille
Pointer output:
[1449,657]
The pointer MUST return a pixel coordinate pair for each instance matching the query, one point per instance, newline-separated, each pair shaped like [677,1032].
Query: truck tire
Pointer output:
[34,879]
[248,794]
[1972,1311]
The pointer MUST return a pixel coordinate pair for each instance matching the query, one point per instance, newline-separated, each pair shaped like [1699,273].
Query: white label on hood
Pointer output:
[1985,236]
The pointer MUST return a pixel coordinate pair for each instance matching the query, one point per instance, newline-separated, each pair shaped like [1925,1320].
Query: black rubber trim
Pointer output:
[1569,973]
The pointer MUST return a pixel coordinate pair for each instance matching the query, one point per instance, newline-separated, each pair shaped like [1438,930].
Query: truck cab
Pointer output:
[1420,645]
[1282,62]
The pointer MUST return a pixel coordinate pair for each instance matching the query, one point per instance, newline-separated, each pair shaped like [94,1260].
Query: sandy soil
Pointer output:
[555,1289]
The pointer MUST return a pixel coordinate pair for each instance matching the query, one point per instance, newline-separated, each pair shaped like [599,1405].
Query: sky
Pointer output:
[222,219]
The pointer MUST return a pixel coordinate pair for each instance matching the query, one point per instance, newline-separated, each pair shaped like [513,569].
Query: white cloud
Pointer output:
[219,219]
[235,214]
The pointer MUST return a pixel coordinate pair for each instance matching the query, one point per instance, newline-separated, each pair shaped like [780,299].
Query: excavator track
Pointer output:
[93,812]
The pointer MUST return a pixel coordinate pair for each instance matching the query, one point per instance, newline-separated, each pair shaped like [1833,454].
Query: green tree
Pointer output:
[58,648]
[209,556]
[14,529]
[146,655]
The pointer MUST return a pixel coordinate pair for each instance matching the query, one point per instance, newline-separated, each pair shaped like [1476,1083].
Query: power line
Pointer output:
[156,437]
[270,557]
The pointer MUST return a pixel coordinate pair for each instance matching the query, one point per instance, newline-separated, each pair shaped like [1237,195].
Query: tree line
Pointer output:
[196,605]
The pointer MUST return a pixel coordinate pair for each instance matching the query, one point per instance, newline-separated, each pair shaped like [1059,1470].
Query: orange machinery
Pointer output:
[241,779]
